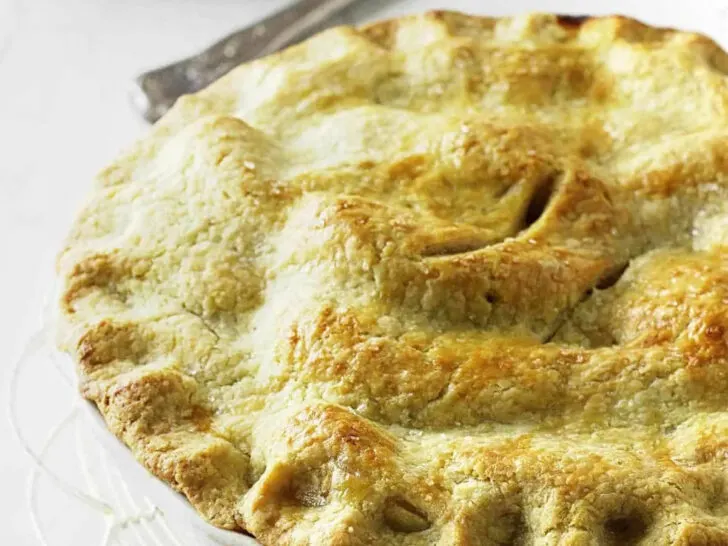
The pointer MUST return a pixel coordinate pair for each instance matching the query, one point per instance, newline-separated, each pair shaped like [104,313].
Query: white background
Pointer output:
[65,66]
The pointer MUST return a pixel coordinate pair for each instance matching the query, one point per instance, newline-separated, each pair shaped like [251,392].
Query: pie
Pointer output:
[442,279]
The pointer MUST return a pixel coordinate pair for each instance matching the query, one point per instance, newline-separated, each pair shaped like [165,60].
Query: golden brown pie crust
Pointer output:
[443,279]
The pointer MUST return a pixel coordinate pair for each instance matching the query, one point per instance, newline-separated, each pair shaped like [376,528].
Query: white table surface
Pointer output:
[64,112]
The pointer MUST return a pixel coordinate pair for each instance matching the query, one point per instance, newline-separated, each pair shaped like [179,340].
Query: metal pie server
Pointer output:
[155,92]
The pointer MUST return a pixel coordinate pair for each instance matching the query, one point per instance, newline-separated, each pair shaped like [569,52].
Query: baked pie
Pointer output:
[442,279]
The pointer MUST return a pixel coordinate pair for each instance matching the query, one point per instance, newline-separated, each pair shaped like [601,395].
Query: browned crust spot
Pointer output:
[572,21]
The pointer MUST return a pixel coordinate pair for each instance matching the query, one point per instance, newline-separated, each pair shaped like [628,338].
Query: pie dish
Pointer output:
[442,279]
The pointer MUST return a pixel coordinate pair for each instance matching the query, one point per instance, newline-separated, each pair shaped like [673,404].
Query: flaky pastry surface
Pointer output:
[441,280]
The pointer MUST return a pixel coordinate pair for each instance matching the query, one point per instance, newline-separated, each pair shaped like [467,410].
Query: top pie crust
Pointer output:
[443,279]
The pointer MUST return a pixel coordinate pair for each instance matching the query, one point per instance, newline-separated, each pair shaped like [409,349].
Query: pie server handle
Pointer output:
[154,92]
